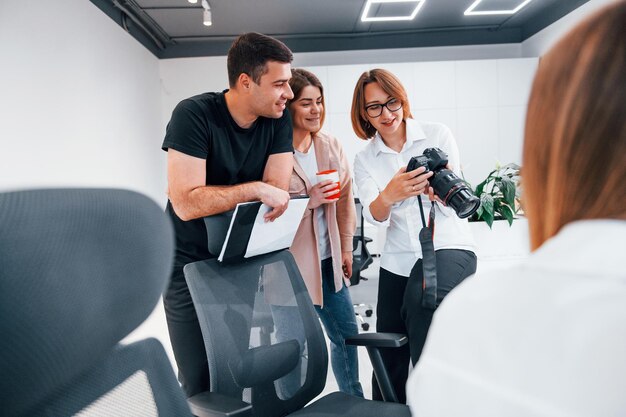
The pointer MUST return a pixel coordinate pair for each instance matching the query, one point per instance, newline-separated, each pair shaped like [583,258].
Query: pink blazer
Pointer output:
[340,216]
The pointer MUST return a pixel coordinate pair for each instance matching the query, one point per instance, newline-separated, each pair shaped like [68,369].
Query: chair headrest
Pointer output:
[79,270]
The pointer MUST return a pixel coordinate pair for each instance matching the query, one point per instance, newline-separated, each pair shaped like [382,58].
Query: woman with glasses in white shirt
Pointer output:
[389,195]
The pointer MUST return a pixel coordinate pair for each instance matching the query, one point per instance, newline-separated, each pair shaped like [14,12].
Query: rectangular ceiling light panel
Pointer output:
[471,11]
[366,18]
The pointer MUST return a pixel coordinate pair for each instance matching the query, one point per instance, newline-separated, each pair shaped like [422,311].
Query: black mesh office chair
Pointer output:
[280,378]
[361,257]
[79,270]
[361,260]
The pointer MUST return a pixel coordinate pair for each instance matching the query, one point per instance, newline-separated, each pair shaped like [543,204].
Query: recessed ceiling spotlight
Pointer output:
[192,1]
[207,18]
[471,12]
[366,18]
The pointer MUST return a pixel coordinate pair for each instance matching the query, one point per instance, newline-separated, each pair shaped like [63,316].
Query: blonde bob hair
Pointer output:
[390,85]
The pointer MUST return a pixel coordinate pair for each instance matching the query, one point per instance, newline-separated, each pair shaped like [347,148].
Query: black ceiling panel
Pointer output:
[173,28]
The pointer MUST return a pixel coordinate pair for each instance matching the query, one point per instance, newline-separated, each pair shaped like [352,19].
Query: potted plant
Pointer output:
[498,243]
[499,195]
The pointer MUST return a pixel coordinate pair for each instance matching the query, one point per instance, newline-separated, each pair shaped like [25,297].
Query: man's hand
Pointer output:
[318,192]
[276,184]
[276,198]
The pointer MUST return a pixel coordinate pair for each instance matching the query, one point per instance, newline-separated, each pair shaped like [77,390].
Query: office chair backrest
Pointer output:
[361,257]
[79,270]
[228,299]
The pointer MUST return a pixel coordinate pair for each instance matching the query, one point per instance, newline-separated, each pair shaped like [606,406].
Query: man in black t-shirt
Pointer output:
[223,149]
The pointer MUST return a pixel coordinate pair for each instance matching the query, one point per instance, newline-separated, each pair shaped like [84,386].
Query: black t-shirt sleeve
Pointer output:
[283,137]
[187,131]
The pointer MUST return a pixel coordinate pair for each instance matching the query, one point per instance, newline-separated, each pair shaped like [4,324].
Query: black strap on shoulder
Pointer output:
[429,263]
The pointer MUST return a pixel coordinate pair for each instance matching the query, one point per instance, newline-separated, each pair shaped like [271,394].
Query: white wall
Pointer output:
[186,77]
[80,102]
[538,44]
[443,53]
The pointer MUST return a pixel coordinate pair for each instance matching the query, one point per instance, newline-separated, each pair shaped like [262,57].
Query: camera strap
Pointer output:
[429,263]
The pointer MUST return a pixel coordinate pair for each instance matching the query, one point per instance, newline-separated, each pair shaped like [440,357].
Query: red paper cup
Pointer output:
[332,175]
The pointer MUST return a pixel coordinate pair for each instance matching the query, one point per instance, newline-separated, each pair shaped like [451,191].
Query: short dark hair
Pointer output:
[250,53]
[301,78]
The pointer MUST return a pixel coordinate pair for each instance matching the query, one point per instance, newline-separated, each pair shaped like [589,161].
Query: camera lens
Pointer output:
[463,202]
[454,193]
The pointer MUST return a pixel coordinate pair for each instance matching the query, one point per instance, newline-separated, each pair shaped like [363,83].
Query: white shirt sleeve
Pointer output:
[367,190]
[449,146]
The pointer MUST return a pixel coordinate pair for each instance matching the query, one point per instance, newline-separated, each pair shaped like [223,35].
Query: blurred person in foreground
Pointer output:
[548,338]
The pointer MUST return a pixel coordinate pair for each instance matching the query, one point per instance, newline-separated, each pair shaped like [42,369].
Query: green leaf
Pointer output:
[486,202]
[478,213]
[481,186]
[507,213]
[508,191]
[488,218]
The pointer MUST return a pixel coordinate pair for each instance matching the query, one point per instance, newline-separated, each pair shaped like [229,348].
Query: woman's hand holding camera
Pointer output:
[318,193]
[431,192]
[405,184]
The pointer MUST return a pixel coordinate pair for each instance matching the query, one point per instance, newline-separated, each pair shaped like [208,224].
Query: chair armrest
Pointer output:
[265,364]
[373,342]
[381,340]
[212,404]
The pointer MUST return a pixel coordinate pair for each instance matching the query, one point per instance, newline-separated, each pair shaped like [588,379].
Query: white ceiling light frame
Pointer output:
[471,12]
[368,5]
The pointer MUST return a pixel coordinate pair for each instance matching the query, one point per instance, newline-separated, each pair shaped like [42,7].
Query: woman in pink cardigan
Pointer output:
[322,246]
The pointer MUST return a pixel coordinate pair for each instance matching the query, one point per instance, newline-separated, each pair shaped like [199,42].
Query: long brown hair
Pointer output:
[301,78]
[574,162]
[390,85]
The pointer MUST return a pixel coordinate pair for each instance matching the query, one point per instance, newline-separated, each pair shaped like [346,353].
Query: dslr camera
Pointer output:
[451,189]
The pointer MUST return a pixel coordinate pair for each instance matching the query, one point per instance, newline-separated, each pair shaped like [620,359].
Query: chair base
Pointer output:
[369,311]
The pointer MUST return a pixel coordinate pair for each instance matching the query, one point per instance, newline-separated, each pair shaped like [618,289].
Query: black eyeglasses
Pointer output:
[375,110]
